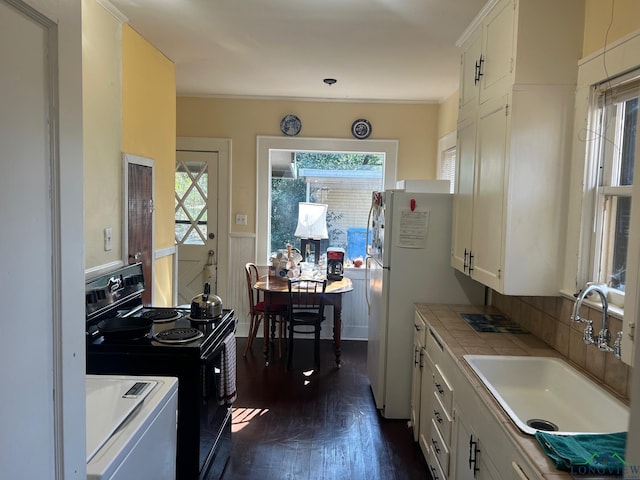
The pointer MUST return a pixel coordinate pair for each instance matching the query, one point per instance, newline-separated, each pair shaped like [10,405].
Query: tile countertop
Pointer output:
[459,339]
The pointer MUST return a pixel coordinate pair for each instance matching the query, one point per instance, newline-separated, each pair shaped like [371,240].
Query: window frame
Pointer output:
[446,146]
[600,162]
[263,179]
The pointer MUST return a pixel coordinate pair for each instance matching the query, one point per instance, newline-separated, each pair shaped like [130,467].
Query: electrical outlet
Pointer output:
[241,219]
[108,235]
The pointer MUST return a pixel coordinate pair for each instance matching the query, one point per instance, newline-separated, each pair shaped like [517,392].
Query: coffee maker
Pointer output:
[335,263]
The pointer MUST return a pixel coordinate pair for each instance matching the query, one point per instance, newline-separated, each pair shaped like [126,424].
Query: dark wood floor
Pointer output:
[291,425]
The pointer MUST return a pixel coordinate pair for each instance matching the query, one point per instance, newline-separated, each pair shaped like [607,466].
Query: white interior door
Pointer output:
[196,222]
[27,412]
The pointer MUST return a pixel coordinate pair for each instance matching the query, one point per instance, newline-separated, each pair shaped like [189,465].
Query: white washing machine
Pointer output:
[131,427]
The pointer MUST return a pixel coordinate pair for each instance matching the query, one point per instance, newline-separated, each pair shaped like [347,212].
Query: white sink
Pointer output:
[534,390]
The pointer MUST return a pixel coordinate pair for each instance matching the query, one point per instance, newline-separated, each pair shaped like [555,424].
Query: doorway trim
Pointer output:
[223,147]
[130,159]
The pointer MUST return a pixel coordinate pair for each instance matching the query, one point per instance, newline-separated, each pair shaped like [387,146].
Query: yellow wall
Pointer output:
[242,120]
[101,97]
[448,115]
[149,130]
[601,27]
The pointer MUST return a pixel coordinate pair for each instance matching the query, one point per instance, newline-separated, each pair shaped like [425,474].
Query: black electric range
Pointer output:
[175,345]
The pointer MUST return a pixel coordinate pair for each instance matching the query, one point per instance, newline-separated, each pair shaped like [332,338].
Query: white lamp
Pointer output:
[312,226]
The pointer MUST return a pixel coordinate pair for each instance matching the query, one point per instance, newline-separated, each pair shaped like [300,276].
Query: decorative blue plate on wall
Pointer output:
[361,128]
[290,125]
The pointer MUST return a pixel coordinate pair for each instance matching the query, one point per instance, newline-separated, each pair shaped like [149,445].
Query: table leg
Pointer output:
[337,327]
[265,320]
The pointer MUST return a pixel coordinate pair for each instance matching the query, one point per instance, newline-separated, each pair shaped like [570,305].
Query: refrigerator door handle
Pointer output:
[366,281]
[367,259]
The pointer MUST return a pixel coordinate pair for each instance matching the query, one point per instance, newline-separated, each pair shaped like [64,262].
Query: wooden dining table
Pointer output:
[276,291]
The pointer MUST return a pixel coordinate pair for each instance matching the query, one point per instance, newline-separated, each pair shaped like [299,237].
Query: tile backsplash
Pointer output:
[548,318]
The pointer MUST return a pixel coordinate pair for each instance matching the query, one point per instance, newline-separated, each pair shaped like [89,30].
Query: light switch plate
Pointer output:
[241,219]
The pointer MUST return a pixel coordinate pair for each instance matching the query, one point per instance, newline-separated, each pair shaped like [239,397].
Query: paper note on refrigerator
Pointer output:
[414,226]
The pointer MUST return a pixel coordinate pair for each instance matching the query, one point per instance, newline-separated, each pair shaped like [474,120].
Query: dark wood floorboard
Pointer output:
[292,425]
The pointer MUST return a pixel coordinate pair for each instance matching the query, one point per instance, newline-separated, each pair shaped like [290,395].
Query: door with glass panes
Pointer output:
[196,222]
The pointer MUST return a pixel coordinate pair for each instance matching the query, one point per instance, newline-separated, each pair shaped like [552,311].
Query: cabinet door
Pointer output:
[426,406]
[470,463]
[463,197]
[416,385]
[498,50]
[469,79]
[419,359]
[488,213]
[463,461]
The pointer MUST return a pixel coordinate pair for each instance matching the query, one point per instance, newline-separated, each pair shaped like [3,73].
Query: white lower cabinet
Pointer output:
[440,448]
[434,467]
[426,406]
[459,435]
[471,461]
[418,374]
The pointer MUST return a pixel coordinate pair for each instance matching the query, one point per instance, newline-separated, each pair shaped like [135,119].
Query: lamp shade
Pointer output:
[312,221]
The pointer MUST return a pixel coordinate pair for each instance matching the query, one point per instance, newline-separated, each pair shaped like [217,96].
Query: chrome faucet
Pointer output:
[588,337]
[604,336]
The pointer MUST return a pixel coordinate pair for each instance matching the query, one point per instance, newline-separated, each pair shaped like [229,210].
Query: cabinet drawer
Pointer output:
[434,347]
[434,467]
[442,389]
[439,448]
[441,419]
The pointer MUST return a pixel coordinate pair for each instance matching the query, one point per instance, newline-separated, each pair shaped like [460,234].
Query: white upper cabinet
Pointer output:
[495,64]
[517,83]
[470,64]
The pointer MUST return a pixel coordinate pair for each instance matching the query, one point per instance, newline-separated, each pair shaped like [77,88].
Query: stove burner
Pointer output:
[161,316]
[178,335]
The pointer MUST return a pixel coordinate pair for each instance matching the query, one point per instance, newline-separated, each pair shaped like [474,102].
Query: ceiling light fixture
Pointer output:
[329,81]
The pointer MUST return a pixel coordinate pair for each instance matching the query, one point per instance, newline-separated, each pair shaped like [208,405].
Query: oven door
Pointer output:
[215,419]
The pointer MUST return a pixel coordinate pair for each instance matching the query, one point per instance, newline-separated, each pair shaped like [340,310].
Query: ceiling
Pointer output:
[377,50]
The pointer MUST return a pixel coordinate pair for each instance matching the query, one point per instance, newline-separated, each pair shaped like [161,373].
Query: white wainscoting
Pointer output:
[354,305]
[355,318]
[241,250]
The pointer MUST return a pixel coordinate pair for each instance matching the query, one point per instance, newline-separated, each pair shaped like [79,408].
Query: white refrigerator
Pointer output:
[408,263]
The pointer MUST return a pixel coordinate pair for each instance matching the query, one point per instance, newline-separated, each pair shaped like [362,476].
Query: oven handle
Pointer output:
[219,345]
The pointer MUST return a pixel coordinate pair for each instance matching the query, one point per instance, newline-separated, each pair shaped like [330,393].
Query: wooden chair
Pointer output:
[306,309]
[259,311]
